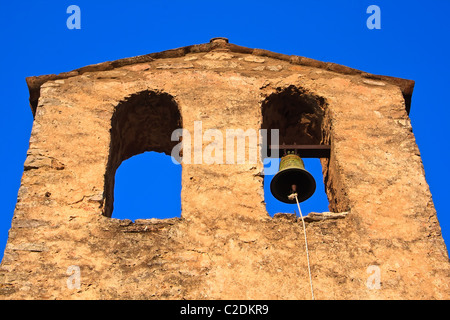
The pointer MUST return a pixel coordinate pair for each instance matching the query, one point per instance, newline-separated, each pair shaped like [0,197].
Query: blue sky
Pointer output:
[412,43]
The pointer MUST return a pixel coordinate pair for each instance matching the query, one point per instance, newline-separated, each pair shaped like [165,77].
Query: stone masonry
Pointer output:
[225,245]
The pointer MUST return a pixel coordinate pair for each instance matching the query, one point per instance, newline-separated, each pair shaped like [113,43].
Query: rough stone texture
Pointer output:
[225,246]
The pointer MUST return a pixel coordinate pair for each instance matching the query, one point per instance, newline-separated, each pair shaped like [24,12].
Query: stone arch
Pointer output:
[141,122]
[297,113]
[302,118]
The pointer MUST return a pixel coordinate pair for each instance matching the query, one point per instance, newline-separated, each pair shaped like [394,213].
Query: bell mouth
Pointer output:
[280,186]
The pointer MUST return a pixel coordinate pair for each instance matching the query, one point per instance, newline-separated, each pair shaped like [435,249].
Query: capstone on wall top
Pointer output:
[217,44]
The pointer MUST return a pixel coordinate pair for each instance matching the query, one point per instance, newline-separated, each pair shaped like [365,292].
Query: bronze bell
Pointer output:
[292,177]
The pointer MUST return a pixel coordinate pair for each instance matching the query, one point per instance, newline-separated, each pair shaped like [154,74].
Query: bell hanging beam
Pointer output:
[306,150]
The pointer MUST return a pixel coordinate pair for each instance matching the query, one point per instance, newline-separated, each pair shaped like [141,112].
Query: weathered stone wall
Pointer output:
[225,246]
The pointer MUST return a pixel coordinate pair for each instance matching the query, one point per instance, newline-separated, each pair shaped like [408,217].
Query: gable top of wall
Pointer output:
[217,44]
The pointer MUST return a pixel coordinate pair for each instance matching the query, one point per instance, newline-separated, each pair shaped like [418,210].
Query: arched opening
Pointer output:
[142,122]
[147,185]
[298,115]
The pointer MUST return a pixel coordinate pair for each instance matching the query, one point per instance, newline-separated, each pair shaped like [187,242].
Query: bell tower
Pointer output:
[207,104]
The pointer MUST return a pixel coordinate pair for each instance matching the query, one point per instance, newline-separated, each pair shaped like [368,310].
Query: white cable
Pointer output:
[306,244]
